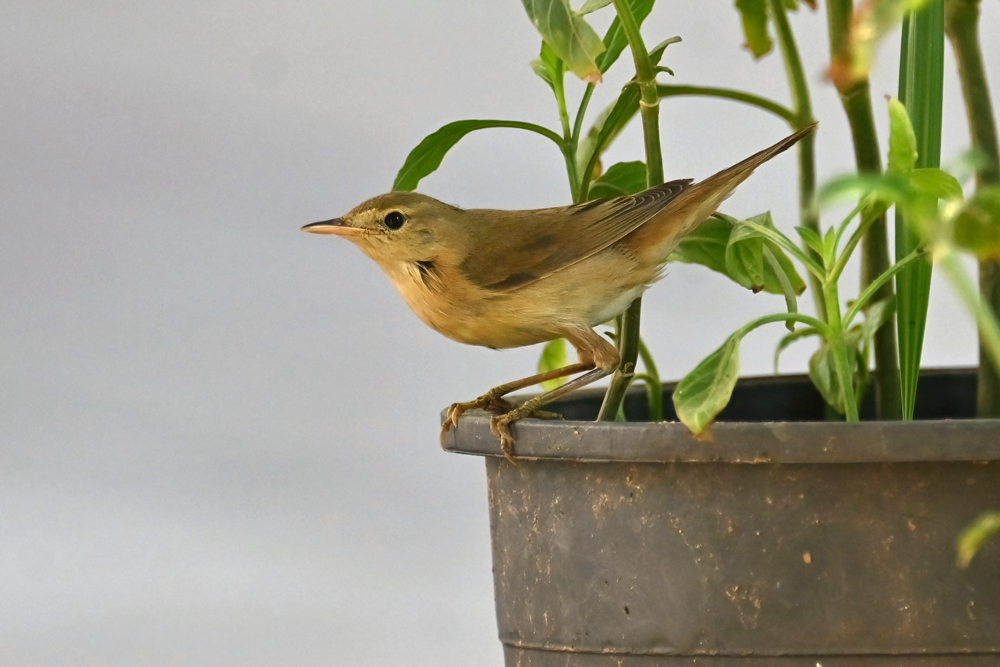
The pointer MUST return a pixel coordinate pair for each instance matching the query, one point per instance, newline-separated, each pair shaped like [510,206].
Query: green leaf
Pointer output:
[707,245]
[548,66]
[745,257]
[887,188]
[427,156]
[936,183]
[977,224]
[975,536]
[657,52]
[608,126]
[921,78]
[823,373]
[786,286]
[823,362]
[615,39]
[829,247]
[877,315]
[705,391]
[594,5]
[623,178]
[745,261]
[569,35]
[754,16]
[902,141]
[811,239]
[788,271]
[790,338]
[554,356]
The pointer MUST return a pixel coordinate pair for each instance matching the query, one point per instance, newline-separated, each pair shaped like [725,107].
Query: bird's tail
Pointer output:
[657,238]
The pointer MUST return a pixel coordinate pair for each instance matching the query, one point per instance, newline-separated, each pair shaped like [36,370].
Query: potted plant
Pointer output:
[779,527]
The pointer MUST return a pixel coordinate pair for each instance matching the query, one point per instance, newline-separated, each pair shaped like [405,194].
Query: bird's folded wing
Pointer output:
[524,246]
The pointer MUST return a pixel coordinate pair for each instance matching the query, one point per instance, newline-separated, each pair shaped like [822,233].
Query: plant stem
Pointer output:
[921,78]
[580,113]
[962,26]
[653,383]
[567,145]
[866,296]
[783,112]
[856,100]
[649,106]
[799,87]
[839,345]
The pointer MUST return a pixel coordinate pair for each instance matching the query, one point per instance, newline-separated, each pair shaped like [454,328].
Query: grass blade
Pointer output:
[921,76]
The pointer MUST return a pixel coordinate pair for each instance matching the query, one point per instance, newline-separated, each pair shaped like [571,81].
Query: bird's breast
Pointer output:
[584,295]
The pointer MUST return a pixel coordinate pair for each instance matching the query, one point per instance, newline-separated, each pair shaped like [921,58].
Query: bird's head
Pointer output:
[396,227]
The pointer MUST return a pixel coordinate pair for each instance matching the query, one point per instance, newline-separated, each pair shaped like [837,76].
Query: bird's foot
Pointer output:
[491,401]
[500,426]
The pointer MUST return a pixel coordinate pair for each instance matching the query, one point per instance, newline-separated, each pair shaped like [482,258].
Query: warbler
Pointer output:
[503,279]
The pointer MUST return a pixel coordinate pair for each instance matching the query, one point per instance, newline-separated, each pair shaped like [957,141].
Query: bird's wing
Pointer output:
[525,246]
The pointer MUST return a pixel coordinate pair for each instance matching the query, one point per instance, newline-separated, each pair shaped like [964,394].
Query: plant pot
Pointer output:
[770,542]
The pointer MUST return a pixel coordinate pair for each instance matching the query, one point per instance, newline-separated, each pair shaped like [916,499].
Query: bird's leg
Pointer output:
[500,425]
[493,399]
[594,352]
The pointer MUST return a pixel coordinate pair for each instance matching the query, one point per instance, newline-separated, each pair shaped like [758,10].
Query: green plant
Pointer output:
[569,44]
[933,221]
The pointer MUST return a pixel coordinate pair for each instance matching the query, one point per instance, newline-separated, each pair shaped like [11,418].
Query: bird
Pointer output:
[504,279]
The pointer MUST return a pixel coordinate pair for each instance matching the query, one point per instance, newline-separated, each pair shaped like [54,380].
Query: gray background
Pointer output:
[218,435]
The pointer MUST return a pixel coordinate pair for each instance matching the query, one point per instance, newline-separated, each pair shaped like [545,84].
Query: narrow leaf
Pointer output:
[902,141]
[790,338]
[811,239]
[657,51]
[604,131]
[774,278]
[877,315]
[829,247]
[569,35]
[975,536]
[921,90]
[705,391]
[548,66]
[786,286]
[615,39]
[427,156]
[553,356]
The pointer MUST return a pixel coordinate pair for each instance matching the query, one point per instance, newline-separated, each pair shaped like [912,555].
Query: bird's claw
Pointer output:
[500,427]
[489,401]
[507,413]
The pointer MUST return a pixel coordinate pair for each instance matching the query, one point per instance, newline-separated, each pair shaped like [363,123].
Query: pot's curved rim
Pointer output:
[735,442]
[762,440]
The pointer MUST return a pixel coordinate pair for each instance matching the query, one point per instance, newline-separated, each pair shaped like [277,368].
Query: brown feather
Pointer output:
[512,256]
[656,239]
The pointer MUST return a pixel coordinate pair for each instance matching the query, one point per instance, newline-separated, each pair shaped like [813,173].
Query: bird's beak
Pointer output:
[336,226]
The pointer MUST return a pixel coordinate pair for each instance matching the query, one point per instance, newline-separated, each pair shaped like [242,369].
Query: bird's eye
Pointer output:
[394,220]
